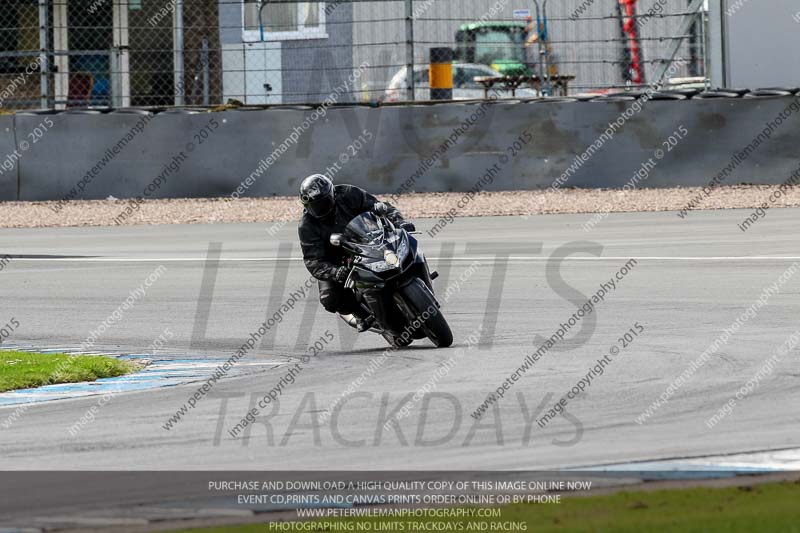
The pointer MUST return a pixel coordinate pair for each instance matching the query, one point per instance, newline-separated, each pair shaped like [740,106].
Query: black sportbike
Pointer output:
[390,276]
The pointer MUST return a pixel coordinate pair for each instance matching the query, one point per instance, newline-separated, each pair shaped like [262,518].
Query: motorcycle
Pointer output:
[390,277]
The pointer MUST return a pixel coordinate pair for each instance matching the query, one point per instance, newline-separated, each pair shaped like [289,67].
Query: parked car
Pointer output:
[464,85]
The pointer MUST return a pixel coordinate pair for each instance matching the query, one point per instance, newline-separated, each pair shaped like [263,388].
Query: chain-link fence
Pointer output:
[66,53]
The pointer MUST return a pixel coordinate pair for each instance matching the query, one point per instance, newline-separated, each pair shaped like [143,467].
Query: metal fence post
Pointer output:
[410,85]
[120,56]
[44,66]
[541,38]
[205,58]
[114,68]
[717,55]
[178,47]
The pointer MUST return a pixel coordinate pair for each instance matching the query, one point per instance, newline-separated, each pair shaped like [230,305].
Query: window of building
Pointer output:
[284,21]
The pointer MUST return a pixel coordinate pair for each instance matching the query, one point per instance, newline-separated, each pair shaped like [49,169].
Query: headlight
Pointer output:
[391,258]
[378,266]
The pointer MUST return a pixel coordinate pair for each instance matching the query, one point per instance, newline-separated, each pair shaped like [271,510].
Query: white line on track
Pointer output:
[459,259]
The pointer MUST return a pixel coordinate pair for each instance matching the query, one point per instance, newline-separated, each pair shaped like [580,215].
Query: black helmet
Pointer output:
[316,195]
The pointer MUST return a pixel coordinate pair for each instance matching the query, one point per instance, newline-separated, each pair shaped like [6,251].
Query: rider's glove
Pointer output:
[380,209]
[408,226]
[340,274]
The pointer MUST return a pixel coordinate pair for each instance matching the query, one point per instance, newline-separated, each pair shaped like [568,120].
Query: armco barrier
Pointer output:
[200,154]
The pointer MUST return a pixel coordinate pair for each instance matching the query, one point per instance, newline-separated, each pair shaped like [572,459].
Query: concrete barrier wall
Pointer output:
[386,149]
[9,159]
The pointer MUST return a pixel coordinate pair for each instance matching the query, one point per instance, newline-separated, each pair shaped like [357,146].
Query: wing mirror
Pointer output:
[336,239]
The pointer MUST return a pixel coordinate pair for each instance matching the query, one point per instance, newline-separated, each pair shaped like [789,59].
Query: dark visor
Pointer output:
[320,207]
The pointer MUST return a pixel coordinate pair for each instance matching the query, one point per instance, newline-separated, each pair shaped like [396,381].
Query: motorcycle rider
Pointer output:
[328,209]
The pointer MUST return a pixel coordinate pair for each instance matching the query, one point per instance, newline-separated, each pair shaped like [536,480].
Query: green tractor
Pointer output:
[501,45]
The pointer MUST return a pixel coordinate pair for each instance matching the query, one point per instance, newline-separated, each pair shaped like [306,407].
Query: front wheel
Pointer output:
[397,342]
[420,305]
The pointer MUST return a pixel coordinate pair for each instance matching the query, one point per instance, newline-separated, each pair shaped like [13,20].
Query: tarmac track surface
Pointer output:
[692,279]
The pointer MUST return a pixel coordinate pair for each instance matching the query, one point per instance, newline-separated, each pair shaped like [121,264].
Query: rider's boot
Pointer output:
[363,324]
[364,319]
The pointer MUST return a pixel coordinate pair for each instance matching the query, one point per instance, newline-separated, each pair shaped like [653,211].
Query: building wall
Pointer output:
[310,73]
[762,39]
[296,71]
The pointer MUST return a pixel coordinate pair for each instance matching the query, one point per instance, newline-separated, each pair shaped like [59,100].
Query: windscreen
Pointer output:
[364,229]
[494,45]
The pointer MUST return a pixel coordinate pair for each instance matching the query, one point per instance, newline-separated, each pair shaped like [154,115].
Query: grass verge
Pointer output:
[24,370]
[769,507]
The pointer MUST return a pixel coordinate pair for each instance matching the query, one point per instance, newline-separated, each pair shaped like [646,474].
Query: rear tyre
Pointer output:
[420,303]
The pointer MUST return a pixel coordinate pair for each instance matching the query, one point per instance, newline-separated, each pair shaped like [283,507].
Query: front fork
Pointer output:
[385,313]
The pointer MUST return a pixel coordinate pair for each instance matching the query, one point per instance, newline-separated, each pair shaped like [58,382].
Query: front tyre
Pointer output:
[397,342]
[419,303]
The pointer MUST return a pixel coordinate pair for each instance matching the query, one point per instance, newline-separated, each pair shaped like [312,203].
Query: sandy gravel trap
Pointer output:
[422,205]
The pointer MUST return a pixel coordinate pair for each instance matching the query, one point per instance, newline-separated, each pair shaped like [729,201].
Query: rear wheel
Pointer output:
[420,305]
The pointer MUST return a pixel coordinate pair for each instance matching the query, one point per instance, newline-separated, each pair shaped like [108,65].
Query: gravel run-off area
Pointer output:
[413,206]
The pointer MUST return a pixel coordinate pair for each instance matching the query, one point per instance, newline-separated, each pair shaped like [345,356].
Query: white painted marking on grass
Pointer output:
[781,460]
